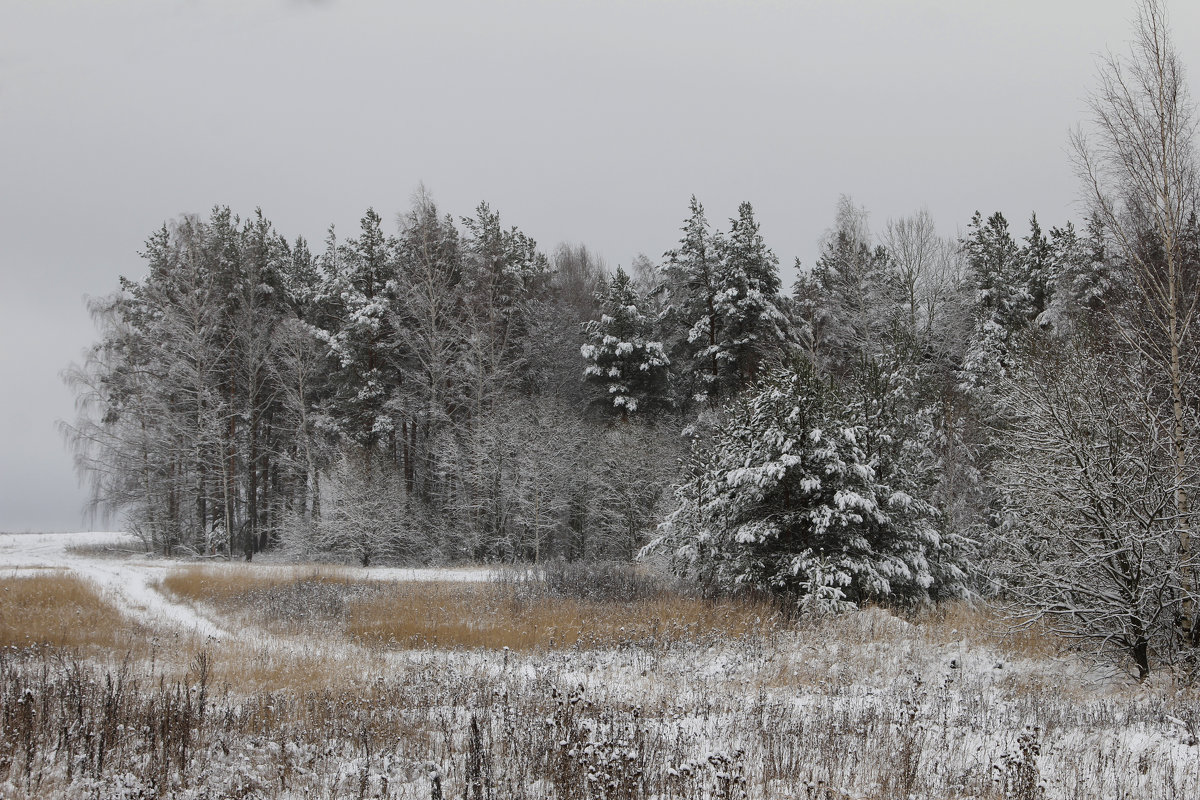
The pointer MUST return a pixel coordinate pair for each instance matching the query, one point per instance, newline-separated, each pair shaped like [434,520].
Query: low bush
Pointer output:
[594,581]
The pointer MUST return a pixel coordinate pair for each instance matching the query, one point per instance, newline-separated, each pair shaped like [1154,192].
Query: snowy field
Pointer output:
[128,583]
[161,694]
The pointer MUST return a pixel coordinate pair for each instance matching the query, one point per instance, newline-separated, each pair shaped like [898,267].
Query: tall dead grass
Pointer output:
[224,586]
[586,724]
[989,624]
[867,705]
[457,614]
[490,616]
[60,610]
[506,613]
[249,667]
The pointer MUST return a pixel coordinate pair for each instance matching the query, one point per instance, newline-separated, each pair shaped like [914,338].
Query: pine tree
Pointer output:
[502,272]
[852,300]
[994,272]
[620,356]
[1037,271]
[693,274]
[360,276]
[1086,281]
[723,304]
[1002,303]
[783,497]
[747,302]
[429,338]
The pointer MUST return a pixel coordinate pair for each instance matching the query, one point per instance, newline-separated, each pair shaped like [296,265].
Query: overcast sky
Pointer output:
[587,122]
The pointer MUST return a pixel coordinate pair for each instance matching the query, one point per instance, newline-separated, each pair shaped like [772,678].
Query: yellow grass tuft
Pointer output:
[457,615]
[60,610]
[223,586]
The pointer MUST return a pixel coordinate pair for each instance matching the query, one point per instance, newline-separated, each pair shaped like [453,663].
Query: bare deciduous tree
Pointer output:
[1092,540]
[914,246]
[929,269]
[1139,170]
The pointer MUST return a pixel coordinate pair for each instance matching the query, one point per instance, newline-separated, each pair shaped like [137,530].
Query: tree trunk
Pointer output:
[252,492]
[1141,657]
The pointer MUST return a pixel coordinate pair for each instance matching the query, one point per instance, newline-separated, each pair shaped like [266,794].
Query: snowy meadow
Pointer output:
[735,502]
[125,677]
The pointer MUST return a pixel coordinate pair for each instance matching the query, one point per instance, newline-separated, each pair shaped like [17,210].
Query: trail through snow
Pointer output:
[127,583]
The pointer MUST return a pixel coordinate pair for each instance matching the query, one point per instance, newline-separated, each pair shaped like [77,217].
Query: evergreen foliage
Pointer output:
[418,397]
[851,301]
[692,271]
[748,302]
[724,305]
[620,357]
[922,418]
[785,497]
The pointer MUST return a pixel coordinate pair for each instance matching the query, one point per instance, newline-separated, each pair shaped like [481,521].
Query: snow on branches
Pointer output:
[784,498]
[619,355]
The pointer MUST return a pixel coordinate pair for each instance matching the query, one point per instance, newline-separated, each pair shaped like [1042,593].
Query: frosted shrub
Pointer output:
[600,581]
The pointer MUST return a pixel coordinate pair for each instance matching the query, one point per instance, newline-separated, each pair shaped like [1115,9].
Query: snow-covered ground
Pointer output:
[52,549]
[126,583]
[129,583]
[849,702]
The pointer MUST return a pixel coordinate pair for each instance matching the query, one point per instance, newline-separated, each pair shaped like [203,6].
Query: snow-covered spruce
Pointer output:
[784,498]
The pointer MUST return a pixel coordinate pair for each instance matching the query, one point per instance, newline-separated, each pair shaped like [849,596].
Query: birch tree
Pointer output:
[1138,167]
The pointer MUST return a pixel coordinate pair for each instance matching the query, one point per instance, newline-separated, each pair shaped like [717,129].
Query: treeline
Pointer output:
[447,392]
[921,417]
[412,397]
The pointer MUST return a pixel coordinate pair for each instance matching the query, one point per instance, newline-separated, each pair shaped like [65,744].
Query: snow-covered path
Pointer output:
[127,583]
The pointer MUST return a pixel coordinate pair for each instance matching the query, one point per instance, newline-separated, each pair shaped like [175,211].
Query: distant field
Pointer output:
[129,678]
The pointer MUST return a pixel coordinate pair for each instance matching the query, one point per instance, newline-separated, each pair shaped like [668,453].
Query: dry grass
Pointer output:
[683,723]
[250,667]
[104,551]
[63,611]
[389,678]
[454,615]
[223,587]
[989,624]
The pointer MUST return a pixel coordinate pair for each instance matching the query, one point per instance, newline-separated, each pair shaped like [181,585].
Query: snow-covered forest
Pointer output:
[413,506]
[446,392]
[919,416]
